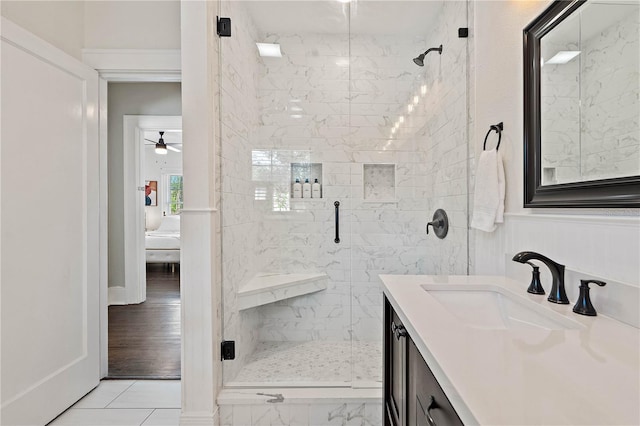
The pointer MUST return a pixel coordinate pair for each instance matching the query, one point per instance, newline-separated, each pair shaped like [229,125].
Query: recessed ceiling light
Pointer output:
[342,62]
[270,50]
[563,56]
[344,1]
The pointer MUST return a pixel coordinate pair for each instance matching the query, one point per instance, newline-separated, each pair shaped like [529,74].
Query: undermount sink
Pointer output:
[493,308]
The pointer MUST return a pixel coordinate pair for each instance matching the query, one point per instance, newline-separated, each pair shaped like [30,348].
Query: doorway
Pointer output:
[144,280]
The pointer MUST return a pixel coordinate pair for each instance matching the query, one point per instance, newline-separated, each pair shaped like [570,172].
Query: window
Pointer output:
[174,194]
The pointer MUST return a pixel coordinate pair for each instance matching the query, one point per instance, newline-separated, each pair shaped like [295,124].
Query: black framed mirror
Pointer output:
[581,105]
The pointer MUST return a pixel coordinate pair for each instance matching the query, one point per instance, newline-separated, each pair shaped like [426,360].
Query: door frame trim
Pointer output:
[135,65]
[134,211]
[120,65]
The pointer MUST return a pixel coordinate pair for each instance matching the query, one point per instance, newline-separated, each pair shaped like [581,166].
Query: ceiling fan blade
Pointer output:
[150,140]
[173,149]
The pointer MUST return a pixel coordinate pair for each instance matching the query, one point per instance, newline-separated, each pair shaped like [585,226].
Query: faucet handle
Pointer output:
[583,306]
[587,282]
[535,287]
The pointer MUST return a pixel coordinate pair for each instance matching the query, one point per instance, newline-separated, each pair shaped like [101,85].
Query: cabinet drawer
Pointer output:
[426,398]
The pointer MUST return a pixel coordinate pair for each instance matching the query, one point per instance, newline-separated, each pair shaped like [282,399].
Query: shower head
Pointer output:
[420,59]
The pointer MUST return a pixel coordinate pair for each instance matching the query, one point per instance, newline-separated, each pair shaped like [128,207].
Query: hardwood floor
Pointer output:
[144,339]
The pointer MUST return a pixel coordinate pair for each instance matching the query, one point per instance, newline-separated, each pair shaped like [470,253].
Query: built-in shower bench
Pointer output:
[267,288]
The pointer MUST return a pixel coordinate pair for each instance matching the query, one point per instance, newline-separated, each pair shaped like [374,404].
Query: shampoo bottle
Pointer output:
[306,189]
[297,189]
[315,190]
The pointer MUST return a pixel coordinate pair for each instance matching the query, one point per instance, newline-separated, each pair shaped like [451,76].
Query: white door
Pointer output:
[49,270]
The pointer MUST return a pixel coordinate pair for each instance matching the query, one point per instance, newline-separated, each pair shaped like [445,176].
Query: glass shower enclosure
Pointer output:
[337,99]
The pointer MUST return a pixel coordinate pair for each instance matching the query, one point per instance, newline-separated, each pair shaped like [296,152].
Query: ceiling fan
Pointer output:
[161,146]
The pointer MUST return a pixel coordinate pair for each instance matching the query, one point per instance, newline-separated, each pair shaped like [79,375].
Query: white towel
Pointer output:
[488,200]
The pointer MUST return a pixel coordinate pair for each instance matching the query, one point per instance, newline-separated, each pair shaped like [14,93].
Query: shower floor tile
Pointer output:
[316,361]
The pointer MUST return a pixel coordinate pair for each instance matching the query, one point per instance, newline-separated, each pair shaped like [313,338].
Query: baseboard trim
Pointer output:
[200,419]
[117,296]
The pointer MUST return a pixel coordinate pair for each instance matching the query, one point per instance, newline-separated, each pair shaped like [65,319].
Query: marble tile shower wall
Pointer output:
[334,100]
[345,94]
[315,414]
[304,119]
[387,237]
[239,109]
[610,90]
[446,138]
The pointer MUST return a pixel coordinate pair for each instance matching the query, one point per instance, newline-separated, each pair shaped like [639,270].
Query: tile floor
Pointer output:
[126,403]
[314,361]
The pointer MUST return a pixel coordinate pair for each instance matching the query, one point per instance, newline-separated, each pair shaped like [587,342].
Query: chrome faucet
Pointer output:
[557,293]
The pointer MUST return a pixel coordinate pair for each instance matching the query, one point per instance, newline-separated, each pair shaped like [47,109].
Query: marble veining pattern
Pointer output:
[314,414]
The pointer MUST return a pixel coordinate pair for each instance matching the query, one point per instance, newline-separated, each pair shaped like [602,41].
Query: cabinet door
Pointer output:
[427,405]
[395,381]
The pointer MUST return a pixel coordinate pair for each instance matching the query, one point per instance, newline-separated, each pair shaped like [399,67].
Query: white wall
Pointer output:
[129,99]
[132,24]
[607,242]
[60,23]
[74,25]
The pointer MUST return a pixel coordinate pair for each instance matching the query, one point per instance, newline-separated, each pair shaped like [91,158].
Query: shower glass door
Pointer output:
[338,99]
[409,150]
[286,261]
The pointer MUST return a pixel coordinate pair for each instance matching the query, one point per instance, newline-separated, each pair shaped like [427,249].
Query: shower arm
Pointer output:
[436,49]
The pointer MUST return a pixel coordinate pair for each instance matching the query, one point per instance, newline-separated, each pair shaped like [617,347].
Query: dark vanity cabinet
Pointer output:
[395,368]
[412,395]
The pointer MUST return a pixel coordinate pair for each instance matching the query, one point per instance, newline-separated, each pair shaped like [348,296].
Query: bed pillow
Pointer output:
[170,224]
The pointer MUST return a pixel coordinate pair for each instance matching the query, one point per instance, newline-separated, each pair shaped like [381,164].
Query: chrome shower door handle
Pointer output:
[337,206]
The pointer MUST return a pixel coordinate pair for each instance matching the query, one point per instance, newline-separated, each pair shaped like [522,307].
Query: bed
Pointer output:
[163,244]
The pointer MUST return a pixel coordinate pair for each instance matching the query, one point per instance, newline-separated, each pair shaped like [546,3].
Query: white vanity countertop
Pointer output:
[589,375]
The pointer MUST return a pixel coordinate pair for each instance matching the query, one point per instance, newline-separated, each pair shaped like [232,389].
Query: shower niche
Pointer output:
[302,171]
[379,182]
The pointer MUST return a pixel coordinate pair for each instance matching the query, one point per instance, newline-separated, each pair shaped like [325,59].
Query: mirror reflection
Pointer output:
[589,94]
